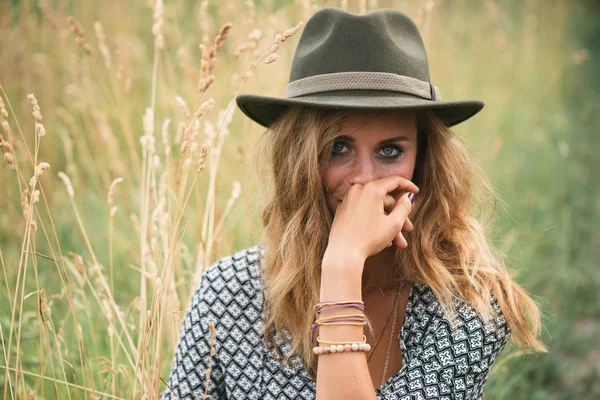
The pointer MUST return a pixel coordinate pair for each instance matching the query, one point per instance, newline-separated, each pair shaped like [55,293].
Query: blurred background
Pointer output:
[110,208]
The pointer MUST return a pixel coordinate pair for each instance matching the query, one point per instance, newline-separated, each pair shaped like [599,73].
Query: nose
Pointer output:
[363,171]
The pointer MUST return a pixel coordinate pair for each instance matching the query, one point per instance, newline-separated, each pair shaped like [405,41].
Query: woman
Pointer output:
[368,223]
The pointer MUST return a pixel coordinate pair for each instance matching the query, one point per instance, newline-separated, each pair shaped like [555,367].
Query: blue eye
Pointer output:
[391,155]
[337,148]
[386,151]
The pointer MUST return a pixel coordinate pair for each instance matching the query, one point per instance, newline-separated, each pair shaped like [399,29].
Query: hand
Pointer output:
[388,205]
[361,225]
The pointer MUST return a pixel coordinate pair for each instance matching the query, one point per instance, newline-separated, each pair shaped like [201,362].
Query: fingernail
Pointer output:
[411,197]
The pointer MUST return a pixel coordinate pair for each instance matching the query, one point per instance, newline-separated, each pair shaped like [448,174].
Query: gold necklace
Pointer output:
[394,309]
[389,352]
[380,333]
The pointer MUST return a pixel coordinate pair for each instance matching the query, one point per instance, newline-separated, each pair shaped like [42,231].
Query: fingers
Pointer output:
[402,208]
[388,203]
[400,241]
[408,226]
[395,182]
[400,215]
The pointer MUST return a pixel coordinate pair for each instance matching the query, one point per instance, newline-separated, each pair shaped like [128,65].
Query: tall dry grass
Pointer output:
[127,170]
[153,175]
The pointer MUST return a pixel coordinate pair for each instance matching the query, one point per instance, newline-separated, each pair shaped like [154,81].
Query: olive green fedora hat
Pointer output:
[358,62]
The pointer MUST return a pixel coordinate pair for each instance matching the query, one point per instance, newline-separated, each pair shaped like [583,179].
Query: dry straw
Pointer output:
[251,44]
[159,21]
[112,190]
[209,58]
[280,38]
[102,45]
[36,108]
[68,185]
[79,32]
[8,149]
[4,114]
[212,341]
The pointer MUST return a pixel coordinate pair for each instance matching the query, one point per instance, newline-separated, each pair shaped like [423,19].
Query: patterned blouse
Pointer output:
[437,362]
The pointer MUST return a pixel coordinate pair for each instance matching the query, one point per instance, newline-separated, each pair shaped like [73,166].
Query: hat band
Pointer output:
[362,81]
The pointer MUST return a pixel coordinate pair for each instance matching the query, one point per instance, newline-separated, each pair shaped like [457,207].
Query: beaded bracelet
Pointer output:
[341,348]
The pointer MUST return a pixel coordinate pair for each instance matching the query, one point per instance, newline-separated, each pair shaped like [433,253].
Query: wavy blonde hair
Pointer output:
[447,250]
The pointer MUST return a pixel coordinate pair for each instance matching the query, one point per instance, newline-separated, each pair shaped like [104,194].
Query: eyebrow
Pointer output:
[395,139]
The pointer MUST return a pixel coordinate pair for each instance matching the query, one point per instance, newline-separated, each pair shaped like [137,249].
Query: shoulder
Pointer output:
[233,281]
[456,356]
[425,313]
[240,268]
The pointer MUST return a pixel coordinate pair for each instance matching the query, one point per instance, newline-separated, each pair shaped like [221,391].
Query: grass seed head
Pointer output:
[102,45]
[67,183]
[159,21]
[183,106]
[220,39]
[43,166]
[3,111]
[79,32]
[36,108]
[8,158]
[112,190]
[40,130]
[25,203]
[271,58]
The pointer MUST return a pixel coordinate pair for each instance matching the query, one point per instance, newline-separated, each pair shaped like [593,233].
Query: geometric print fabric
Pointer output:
[438,361]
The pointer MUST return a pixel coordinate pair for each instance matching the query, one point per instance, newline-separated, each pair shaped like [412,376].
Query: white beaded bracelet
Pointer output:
[340,348]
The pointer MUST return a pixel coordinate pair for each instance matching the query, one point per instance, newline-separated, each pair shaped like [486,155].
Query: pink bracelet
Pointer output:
[341,348]
[331,305]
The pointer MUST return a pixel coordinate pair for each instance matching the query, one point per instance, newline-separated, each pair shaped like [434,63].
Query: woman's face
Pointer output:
[374,145]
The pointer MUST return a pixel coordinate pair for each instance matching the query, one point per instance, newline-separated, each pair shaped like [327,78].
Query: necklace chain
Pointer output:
[393,310]
[389,352]
[380,333]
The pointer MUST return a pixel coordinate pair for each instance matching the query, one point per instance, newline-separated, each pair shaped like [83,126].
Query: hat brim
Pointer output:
[266,110]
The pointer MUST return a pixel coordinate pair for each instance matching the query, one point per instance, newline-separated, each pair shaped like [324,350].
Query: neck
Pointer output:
[379,272]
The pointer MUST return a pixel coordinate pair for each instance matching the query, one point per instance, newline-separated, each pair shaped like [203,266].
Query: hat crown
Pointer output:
[385,40]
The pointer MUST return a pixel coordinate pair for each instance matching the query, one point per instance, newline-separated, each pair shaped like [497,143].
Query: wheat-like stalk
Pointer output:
[79,33]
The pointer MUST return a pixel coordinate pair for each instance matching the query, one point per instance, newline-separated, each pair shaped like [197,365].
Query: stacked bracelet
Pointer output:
[331,305]
[348,319]
[340,347]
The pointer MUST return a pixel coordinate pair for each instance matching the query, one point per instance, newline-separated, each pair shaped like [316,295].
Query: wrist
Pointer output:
[343,259]
[340,285]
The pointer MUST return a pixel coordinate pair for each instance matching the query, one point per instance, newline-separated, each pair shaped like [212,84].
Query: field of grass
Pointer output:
[130,170]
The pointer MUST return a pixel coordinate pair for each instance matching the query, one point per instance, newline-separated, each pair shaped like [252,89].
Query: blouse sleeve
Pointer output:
[187,379]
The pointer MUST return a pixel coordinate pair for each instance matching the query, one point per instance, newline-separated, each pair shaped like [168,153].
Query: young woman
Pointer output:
[369,223]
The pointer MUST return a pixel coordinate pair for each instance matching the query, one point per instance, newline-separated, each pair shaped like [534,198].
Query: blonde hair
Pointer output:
[447,250]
